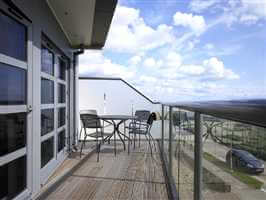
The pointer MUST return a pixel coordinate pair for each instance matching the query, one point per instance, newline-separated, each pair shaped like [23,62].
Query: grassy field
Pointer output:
[245,178]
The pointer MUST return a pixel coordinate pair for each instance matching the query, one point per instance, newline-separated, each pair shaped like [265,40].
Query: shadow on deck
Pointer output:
[136,176]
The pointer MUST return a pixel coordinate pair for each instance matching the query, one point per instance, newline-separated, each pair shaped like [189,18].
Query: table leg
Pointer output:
[121,140]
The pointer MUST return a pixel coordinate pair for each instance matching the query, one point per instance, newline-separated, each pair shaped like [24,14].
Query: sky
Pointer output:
[185,50]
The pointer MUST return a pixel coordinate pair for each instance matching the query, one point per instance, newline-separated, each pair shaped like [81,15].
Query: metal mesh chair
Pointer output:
[142,117]
[90,120]
[140,128]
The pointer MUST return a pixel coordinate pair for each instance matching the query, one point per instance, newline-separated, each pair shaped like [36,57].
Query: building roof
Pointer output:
[85,22]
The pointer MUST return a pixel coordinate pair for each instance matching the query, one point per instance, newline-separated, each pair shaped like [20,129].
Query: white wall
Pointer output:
[119,98]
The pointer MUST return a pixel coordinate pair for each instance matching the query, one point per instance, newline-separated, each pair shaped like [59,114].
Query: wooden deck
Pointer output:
[137,176]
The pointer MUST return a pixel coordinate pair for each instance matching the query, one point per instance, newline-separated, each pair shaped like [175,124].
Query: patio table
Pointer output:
[116,121]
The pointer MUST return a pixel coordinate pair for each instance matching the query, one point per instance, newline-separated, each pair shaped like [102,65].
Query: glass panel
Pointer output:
[166,131]
[183,152]
[13,38]
[61,140]
[12,85]
[62,69]
[47,91]
[47,121]
[47,61]
[61,93]
[61,117]
[47,151]
[12,132]
[13,178]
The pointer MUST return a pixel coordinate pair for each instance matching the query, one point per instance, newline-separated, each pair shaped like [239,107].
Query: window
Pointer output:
[47,91]
[13,38]
[61,93]
[62,69]
[12,132]
[61,117]
[47,60]
[61,140]
[13,178]
[12,85]
[47,121]
[47,151]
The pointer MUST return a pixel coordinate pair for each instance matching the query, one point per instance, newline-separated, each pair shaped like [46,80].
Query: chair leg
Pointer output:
[128,146]
[153,141]
[129,135]
[80,133]
[139,140]
[134,142]
[83,142]
[115,142]
[149,143]
[97,148]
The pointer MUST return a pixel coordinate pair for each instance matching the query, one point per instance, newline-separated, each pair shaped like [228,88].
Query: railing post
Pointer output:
[198,157]
[170,139]
[162,126]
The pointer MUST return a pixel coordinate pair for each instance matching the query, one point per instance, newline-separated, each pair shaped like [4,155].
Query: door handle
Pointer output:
[29,109]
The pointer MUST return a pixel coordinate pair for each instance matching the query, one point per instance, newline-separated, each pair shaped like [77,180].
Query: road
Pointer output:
[220,151]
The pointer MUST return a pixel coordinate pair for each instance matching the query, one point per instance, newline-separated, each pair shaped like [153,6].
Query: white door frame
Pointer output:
[59,157]
[9,109]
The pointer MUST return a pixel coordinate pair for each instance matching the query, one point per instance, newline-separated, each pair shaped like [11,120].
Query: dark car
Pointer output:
[244,161]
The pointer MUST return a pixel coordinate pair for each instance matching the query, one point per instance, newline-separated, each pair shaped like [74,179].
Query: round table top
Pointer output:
[117,117]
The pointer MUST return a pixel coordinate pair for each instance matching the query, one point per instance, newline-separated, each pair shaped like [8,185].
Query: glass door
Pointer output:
[15,106]
[54,101]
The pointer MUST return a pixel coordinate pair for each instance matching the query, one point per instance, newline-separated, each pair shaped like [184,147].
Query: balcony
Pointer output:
[192,160]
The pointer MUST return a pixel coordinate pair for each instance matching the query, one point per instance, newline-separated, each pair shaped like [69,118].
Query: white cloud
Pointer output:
[135,60]
[246,12]
[249,19]
[173,59]
[215,69]
[194,70]
[130,33]
[200,5]
[195,22]
[209,46]
[149,62]
[255,7]
[93,63]
[148,79]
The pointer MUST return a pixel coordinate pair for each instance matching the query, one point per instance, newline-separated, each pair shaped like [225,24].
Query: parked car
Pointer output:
[244,161]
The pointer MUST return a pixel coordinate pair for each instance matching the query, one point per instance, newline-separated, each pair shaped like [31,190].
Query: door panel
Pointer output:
[54,110]
[15,99]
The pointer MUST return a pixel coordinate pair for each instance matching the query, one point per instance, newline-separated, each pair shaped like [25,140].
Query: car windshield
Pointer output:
[247,155]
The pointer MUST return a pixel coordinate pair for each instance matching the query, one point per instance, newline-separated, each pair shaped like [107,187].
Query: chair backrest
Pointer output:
[151,118]
[142,115]
[179,118]
[90,119]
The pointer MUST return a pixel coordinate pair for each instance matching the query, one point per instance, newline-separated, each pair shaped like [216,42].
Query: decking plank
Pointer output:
[137,176]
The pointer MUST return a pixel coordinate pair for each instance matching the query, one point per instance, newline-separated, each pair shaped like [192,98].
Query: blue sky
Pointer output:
[176,50]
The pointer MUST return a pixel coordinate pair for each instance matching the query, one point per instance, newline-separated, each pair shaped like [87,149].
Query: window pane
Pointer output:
[47,61]
[61,93]
[47,91]
[61,117]
[47,121]
[13,178]
[12,85]
[12,132]
[61,140]
[62,69]
[13,38]
[47,151]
